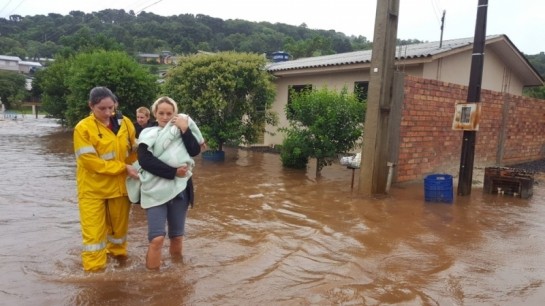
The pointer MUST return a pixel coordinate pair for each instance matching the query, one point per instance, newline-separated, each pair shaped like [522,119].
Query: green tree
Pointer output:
[120,30]
[538,61]
[315,46]
[361,43]
[66,83]
[535,92]
[50,84]
[9,46]
[12,88]
[325,123]
[133,85]
[228,94]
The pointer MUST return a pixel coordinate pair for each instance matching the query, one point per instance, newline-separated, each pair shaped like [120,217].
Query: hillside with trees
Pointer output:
[40,36]
[64,36]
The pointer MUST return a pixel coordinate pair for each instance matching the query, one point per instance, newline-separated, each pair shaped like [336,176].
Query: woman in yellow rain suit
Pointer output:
[103,145]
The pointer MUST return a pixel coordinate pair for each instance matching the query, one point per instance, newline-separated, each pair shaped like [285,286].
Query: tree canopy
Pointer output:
[538,61]
[66,83]
[228,94]
[44,36]
[12,88]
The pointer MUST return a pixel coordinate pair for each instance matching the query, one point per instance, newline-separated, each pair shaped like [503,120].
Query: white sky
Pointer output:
[522,21]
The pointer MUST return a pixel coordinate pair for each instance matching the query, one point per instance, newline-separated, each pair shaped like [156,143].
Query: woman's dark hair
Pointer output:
[100,92]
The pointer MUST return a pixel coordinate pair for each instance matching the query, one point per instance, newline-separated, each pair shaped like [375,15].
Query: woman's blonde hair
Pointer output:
[164,99]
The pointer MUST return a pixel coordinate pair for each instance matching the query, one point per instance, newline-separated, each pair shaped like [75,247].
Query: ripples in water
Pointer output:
[261,234]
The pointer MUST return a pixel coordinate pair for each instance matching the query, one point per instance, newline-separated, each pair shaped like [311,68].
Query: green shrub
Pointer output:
[293,152]
[323,123]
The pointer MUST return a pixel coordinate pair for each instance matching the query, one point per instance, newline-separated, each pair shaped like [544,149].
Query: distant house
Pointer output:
[164,58]
[146,58]
[10,63]
[15,64]
[29,67]
[506,70]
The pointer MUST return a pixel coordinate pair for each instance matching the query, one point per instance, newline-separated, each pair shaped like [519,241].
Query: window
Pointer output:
[360,90]
[295,89]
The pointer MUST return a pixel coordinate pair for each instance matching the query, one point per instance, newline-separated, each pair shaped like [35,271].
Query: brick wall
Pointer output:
[512,129]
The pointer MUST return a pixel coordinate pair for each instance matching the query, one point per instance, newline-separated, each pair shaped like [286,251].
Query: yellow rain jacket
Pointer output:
[101,158]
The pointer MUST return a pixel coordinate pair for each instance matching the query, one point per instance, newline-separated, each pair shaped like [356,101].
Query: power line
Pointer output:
[16,7]
[5,6]
[138,3]
[140,11]
[436,8]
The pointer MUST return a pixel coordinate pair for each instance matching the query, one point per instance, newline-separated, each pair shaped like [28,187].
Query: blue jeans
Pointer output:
[174,212]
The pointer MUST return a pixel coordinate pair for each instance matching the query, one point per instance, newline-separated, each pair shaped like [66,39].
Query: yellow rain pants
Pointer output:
[104,225]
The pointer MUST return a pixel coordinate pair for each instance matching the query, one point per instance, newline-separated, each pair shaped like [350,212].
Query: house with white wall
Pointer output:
[27,67]
[505,70]
[10,63]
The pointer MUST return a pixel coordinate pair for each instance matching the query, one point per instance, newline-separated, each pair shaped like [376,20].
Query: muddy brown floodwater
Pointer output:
[263,235]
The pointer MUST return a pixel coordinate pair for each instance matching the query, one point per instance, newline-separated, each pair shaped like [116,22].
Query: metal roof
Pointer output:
[412,51]
[10,58]
[151,55]
[425,51]
[34,64]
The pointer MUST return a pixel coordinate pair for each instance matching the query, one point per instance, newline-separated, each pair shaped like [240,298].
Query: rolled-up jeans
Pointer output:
[173,213]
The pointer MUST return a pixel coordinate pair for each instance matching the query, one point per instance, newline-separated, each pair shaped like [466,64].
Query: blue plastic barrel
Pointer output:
[438,188]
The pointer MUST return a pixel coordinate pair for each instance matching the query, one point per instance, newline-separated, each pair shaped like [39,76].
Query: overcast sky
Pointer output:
[521,20]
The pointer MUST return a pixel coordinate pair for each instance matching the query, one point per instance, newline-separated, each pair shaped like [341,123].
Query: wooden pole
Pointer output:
[473,95]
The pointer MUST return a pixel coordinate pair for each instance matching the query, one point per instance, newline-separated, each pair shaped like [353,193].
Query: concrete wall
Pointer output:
[455,69]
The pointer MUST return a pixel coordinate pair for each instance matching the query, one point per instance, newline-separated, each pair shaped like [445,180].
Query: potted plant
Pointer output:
[228,94]
[214,152]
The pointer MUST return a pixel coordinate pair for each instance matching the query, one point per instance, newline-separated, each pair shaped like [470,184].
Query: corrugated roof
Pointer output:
[10,58]
[34,64]
[413,51]
[152,55]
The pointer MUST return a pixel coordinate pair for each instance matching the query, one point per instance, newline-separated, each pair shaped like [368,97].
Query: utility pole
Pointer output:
[374,168]
[473,95]
[442,27]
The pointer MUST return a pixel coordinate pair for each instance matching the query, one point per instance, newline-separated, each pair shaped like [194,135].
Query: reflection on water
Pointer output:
[261,234]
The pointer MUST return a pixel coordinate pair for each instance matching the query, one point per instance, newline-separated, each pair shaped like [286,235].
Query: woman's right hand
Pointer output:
[181,121]
[181,171]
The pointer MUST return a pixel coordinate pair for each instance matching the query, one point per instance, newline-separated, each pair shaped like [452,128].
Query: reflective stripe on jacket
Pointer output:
[101,158]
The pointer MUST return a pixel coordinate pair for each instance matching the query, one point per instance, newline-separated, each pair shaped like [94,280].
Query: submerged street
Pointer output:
[264,235]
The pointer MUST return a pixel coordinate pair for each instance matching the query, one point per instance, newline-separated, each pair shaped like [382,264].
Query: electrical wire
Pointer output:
[5,6]
[140,11]
[16,7]
[436,9]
